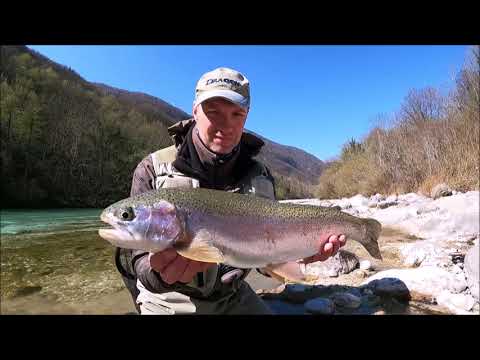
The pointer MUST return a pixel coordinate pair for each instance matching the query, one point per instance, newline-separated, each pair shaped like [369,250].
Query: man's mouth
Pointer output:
[224,139]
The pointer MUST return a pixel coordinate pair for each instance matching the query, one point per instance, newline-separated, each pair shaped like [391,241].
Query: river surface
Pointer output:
[53,261]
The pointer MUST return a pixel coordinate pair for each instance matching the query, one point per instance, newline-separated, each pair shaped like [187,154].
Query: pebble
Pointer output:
[365,265]
[360,273]
[385,204]
[424,209]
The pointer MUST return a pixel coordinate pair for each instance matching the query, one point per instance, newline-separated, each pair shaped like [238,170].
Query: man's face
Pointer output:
[220,124]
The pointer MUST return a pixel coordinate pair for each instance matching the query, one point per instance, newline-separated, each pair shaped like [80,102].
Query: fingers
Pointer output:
[160,260]
[193,267]
[337,242]
[205,266]
[175,270]
[173,267]
[335,245]
[328,248]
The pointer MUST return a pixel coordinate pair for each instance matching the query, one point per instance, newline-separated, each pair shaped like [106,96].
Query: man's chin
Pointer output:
[221,149]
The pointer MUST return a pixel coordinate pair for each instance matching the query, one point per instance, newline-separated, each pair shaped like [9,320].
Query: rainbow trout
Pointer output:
[235,229]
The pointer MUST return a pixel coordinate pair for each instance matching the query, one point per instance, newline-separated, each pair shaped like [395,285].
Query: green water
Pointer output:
[56,257]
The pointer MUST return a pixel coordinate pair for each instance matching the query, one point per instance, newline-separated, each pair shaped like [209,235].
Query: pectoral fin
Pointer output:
[200,248]
[289,272]
[202,252]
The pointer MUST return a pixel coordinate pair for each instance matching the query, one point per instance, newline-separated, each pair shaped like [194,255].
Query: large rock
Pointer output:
[390,287]
[377,197]
[372,300]
[344,204]
[375,200]
[320,306]
[359,201]
[342,263]
[457,303]
[392,198]
[426,253]
[471,268]
[427,208]
[297,293]
[440,190]
[426,282]
[346,300]
[455,219]
[411,197]
[385,204]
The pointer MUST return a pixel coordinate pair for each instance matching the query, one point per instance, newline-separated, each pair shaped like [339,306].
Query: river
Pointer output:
[54,262]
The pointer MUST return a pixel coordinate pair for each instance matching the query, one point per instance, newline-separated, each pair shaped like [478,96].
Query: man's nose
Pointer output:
[229,121]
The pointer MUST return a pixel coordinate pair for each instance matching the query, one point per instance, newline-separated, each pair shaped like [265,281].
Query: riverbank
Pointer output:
[430,250]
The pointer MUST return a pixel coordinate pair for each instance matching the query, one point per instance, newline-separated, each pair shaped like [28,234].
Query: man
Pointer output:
[211,151]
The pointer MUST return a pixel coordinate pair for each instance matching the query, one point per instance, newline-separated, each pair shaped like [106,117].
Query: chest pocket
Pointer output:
[175,181]
[166,176]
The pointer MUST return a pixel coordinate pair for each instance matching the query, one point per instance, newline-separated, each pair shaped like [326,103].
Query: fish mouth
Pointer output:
[112,233]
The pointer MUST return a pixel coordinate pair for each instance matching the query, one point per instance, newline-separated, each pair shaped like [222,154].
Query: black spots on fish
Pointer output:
[304,230]
[268,231]
[230,204]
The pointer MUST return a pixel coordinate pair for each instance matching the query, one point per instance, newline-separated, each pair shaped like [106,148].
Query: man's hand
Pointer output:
[328,248]
[173,267]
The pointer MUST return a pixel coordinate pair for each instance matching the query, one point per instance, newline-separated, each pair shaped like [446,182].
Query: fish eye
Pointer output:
[127,214]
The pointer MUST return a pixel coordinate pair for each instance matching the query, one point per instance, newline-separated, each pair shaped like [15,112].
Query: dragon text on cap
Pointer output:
[225,80]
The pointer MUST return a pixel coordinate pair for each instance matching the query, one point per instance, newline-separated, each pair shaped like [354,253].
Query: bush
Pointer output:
[432,139]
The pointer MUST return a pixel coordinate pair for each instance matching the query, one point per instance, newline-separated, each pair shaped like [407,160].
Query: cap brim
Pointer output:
[232,96]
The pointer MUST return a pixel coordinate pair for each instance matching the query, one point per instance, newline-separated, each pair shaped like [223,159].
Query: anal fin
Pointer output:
[289,272]
[202,252]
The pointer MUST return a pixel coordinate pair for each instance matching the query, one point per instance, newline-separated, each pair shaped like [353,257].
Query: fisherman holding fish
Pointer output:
[210,151]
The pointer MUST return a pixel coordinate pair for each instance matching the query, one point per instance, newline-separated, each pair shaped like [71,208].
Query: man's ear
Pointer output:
[194,111]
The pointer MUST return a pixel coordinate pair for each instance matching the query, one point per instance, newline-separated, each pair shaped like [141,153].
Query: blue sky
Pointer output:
[312,97]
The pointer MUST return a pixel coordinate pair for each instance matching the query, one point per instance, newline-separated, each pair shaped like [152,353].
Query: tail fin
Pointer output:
[373,229]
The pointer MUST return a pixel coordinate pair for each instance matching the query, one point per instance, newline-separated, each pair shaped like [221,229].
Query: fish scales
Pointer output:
[241,230]
[226,203]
